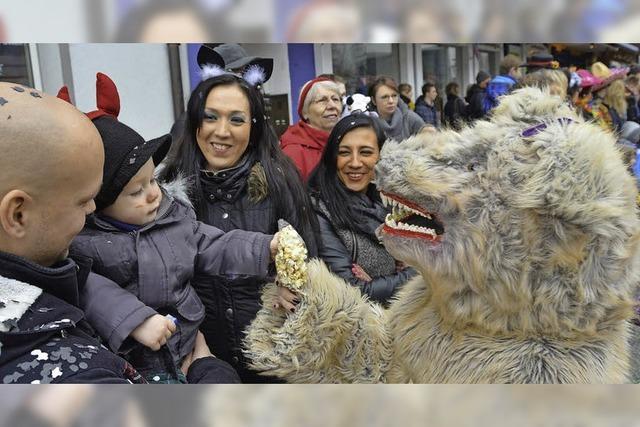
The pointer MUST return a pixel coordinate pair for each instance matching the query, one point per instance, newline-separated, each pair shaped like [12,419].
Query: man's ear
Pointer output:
[15,212]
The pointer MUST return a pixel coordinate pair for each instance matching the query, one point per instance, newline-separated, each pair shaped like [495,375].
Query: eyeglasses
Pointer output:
[324,101]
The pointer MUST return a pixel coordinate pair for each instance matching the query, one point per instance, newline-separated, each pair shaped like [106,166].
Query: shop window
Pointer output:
[488,59]
[15,65]
[441,64]
[516,49]
[359,64]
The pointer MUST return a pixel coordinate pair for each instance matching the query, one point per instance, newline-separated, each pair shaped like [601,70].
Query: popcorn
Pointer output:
[291,258]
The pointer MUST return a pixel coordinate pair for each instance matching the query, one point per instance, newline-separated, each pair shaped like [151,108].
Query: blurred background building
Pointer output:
[155,79]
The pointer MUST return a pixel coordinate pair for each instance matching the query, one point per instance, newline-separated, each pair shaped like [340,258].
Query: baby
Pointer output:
[149,242]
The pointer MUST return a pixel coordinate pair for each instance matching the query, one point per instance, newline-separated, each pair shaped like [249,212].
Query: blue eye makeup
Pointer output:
[210,116]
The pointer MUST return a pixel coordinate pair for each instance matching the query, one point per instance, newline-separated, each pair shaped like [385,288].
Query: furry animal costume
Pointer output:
[529,280]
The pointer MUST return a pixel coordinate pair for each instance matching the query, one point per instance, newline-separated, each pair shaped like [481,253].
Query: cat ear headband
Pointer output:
[253,74]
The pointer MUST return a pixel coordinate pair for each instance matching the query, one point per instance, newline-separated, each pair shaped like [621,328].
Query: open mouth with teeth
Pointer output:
[410,220]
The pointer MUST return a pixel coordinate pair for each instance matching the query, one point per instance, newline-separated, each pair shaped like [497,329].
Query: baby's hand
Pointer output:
[154,332]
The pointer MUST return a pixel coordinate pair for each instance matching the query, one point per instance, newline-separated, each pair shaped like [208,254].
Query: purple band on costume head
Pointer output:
[534,130]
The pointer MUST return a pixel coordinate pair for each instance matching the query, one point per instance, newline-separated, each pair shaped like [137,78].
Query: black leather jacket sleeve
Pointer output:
[335,254]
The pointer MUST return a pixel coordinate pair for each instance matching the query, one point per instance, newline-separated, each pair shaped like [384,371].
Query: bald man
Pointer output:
[51,162]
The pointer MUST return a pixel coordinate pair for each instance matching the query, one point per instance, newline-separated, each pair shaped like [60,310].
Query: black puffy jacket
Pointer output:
[474,110]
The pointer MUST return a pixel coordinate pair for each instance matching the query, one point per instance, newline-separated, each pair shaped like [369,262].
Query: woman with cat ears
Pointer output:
[240,179]
[215,59]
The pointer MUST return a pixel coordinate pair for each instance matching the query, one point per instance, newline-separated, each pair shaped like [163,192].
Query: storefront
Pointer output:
[156,92]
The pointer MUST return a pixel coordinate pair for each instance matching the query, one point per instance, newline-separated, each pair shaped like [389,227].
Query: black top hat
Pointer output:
[232,57]
[539,61]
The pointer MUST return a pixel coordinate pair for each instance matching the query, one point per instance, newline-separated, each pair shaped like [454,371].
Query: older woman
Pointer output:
[349,209]
[396,119]
[319,109]
[239,180]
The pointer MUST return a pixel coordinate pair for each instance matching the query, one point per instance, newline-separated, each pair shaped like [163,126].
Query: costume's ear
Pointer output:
[63,94]
[572,172]
[530,105]
[254,75]
[209,71]
[208,56]
[107,97]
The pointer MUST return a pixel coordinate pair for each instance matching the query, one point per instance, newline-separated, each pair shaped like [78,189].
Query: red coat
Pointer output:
[304,145]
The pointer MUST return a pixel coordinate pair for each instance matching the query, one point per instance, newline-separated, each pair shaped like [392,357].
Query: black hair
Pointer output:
[324,183]
[286,191]
[585,91]
[426,87]
[573,90]
[452,89]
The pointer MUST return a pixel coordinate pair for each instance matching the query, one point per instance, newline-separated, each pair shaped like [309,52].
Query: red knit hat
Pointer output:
[305,90]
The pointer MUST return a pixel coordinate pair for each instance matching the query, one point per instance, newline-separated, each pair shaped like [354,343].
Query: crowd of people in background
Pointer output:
[228,179]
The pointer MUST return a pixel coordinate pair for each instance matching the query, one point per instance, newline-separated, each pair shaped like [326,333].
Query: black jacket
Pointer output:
[474,109]
[454,112]
[44,337]
[341,248]
[230,202]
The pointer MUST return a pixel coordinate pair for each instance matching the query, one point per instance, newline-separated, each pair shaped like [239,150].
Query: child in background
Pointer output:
[146,239]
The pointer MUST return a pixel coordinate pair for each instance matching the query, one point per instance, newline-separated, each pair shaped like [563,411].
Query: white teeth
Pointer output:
[391,222]
[407,227]
[398,208]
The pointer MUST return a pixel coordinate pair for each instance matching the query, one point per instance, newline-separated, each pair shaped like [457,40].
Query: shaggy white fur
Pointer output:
[531,281]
